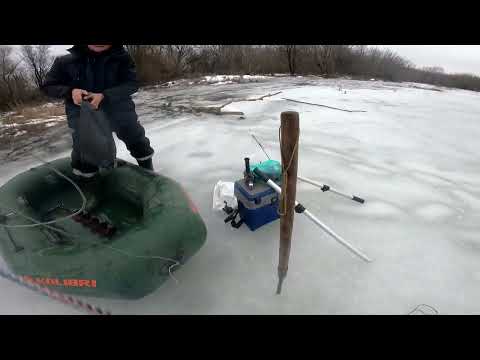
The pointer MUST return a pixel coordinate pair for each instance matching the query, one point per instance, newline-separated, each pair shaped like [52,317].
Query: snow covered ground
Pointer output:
[48,122]
[413,155]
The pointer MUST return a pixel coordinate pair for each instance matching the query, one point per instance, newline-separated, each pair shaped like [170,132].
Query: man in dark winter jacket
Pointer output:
[104,75]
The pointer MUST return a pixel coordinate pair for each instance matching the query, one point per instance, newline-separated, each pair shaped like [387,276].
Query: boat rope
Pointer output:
[66,299]
[126,253]
[419,310]
[260,144]
[38,223]
[35,223]
[285,168]
[325,106]
[174,262]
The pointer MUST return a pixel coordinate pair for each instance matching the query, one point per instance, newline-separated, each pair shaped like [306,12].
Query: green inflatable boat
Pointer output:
[137,228]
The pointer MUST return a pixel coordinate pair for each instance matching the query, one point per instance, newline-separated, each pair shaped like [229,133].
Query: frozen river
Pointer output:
[413,155]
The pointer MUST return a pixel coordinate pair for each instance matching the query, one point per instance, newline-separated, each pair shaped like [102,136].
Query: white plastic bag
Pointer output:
[224,191]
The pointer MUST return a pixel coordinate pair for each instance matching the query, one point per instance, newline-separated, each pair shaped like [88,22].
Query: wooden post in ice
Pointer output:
[289,132]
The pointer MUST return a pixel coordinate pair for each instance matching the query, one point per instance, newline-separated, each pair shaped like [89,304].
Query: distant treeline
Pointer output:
[22,73]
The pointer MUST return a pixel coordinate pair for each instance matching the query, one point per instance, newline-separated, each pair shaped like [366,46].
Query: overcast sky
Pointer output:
[453,58]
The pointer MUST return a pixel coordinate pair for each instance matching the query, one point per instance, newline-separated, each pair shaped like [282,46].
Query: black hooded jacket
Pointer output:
[111,73]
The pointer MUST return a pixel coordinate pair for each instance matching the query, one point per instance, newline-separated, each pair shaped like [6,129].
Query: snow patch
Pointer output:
[20,133]
[431,178]
[167,84]
[223,83]
[228,79]
[254,77]
[434,212]
[469,199]
[220,78]
[379,209]
[58,118]
[369,169]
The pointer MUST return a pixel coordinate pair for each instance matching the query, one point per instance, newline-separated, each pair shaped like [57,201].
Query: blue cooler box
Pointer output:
[258,206]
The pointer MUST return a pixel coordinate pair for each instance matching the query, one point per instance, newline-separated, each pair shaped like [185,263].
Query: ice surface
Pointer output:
[432,212]
[413,155]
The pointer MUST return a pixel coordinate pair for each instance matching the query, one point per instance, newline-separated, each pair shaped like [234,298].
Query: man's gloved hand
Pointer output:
[95,99]
[77,95]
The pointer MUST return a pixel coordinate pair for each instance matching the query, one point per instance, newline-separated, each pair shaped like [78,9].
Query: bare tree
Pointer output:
[291,53]
[38,61]
[157,63]
[140,52]
[204,59]
[9,77]
[136,52]
[325,55]
[179,55]
[434,69]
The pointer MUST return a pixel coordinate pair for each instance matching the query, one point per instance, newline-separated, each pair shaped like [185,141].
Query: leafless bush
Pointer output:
[151,62]
[290,52]
[37,60]
[434,69]
[15,87]
[160,62]
[326,59]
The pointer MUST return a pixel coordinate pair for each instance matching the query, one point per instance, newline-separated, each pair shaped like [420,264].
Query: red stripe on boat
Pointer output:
[192,206]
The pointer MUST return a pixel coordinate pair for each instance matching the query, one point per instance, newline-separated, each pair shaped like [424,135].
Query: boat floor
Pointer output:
[114,210]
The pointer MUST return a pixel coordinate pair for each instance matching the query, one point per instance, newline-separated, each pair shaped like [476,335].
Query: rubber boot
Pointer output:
[90,188]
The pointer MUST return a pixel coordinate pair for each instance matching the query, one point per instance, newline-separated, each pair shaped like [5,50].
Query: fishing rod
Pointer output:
[300,209]
[261,146]
[322,187]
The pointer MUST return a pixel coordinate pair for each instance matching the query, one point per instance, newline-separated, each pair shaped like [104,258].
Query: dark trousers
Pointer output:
[131,133]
